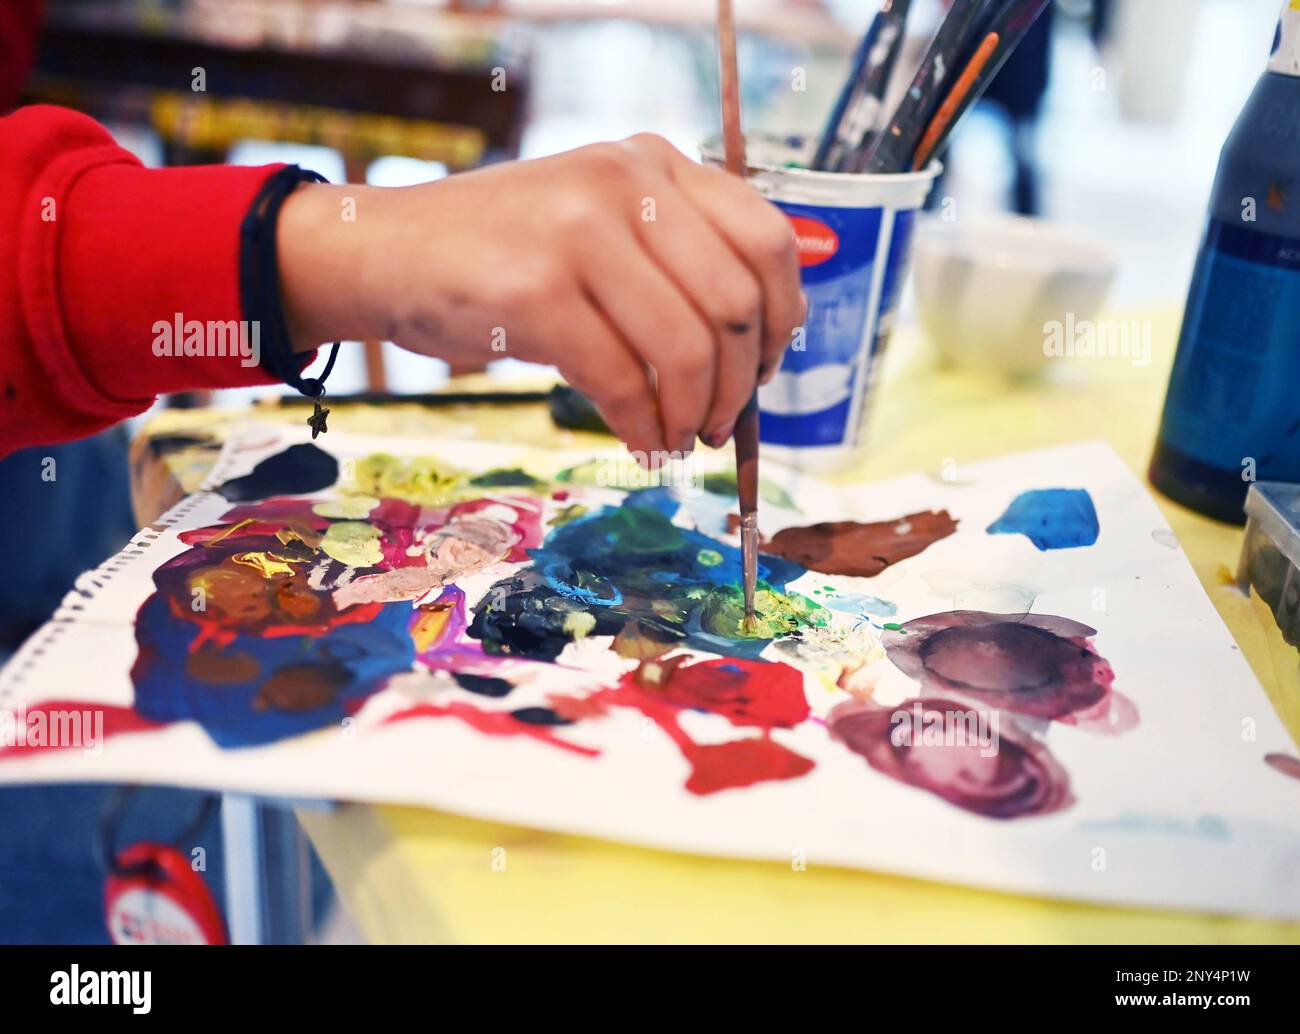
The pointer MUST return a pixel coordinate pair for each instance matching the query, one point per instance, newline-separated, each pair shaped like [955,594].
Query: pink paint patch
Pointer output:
[925,744]
[393,514]
[527,523]
[1112,715]
[1038,665]
[1284,763]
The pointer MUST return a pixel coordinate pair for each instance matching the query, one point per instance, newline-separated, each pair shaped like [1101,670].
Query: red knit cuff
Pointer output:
[144,265]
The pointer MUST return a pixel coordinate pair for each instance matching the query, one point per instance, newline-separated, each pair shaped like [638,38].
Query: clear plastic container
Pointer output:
[1270,556]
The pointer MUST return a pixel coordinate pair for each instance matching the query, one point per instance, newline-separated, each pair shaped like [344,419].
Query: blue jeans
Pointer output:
[51,882]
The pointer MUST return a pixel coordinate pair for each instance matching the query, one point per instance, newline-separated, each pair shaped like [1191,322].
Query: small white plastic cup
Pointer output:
[855,235]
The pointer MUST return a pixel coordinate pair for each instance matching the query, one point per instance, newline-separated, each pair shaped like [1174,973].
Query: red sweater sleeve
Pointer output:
[97,250]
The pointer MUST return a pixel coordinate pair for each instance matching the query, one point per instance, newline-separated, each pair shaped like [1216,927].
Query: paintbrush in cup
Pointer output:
[892,148]
[855,117]
[962,96]
[1007,27]
[745,436]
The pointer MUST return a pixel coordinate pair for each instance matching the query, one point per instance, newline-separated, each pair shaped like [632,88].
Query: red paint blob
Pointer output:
[728,766]
[746,693]
[54,716]
[492,723]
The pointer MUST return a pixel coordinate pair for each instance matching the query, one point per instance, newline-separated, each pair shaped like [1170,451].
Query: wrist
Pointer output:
[322,260]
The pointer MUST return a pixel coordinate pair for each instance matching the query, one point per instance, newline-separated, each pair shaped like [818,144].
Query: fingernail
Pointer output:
[719,437]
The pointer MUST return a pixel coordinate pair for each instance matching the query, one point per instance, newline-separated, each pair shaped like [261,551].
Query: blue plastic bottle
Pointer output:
[1232,414]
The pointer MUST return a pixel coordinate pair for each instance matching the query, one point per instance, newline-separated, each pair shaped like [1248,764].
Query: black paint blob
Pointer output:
[483,685]
[297,470]
[539,716]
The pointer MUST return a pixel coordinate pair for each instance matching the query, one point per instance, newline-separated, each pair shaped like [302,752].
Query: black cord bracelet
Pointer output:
[259,289]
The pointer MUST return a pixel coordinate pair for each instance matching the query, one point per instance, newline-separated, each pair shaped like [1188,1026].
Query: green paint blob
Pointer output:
[776,614]
[417,479]
[724,483]
[514,477]
[604,473]
[635,530]
[631,564]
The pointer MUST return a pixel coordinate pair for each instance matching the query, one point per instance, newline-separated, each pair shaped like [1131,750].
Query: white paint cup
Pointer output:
[854,234]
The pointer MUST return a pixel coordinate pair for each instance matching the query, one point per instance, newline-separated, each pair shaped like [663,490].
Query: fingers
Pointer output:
[720,287]
[601,365]
[687,283]
[762,237]
[658,322]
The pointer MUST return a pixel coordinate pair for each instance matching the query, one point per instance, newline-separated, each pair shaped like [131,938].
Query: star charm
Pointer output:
[317,420]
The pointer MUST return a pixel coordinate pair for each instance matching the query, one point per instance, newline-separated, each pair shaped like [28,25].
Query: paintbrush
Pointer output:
[1006,28]
[959,98]
[856,114]
[569,408]
[745,436]
[893,147]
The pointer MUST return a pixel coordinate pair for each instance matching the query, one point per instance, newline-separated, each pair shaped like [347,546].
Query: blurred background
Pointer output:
[1133,99]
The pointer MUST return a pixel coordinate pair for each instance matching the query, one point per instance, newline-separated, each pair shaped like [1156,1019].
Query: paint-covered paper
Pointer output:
[1006,676]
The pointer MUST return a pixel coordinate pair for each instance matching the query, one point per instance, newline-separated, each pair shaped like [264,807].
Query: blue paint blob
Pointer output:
[662,498]
[349,662]
[621,564]
[1051,518]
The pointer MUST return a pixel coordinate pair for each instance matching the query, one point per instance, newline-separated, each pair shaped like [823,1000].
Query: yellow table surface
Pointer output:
[412,874]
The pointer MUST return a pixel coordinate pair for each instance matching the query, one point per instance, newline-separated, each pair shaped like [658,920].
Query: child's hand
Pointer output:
[656,285]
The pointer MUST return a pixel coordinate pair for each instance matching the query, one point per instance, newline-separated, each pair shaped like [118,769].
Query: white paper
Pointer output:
[1178,811]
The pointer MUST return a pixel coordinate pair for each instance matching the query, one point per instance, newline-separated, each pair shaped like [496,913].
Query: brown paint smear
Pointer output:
[861,550]
[214,667]
[301,687]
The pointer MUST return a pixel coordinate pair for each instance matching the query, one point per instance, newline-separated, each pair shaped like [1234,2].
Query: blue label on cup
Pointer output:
[817,396]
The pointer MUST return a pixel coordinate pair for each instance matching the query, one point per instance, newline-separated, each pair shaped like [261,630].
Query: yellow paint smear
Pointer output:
[266,564]
[350,507]
[229,531]
[354,543]
[429,627]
